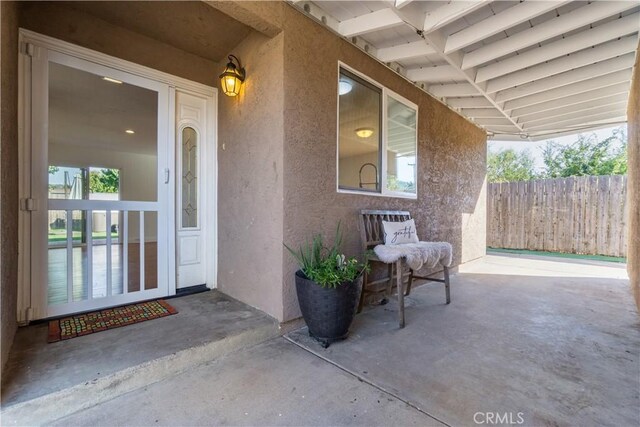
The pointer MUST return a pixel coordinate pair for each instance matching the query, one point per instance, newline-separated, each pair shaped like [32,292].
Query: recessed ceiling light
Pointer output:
[344,87]
[129,131]
[109,79]
[364,132]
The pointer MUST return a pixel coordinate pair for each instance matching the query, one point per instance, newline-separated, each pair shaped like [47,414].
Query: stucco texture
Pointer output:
[277,140]
[9,173]
[116,38]
[250,161]
[451,204]
[633,183]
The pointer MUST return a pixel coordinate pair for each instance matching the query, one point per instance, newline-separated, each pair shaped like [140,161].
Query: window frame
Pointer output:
[385,94]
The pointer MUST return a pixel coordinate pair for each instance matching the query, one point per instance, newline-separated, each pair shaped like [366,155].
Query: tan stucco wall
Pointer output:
[8,173]
[277,167]
[451,155]
[633,183]
[83,29]
[250,209]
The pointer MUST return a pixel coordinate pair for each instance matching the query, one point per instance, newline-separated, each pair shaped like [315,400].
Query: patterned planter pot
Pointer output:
[328,312]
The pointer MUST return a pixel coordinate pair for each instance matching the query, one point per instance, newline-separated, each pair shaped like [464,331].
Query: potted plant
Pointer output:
[328,286]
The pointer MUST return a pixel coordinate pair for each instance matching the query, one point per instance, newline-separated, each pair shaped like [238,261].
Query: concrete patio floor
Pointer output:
[87,370]
[554,340]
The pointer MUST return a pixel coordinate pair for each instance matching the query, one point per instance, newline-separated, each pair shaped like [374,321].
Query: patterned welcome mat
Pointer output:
[96,321]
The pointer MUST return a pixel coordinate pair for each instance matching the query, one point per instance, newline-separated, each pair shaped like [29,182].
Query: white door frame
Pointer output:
[32,46]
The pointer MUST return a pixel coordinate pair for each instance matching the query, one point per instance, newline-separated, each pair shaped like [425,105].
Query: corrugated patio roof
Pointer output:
[520,69]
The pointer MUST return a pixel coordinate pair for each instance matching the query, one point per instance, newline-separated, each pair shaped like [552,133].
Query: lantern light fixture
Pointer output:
[232,77]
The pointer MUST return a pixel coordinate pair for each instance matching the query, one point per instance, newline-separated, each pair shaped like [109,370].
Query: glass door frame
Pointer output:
[39,181]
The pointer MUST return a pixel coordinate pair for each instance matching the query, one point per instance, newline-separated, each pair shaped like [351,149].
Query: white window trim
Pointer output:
[386,92]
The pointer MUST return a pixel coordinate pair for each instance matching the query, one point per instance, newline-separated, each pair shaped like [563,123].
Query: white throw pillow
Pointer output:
[397,233]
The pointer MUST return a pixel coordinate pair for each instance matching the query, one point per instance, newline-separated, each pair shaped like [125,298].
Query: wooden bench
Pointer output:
[372,234]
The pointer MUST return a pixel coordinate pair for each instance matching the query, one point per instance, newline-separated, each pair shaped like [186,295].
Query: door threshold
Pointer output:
[189,290]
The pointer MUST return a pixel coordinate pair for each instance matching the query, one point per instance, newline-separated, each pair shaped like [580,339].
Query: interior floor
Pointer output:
[57,271]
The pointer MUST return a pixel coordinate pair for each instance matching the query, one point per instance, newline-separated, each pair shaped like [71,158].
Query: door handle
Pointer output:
[166,175]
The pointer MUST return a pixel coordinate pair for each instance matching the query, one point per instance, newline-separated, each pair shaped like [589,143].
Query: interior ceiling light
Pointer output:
[130,131]
[344,87]
[364,132]
[109,79]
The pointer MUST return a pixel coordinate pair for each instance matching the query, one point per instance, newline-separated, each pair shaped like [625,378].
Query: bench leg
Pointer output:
[446,284]
[390,283]
[365,278]
[409,283]
[400,293]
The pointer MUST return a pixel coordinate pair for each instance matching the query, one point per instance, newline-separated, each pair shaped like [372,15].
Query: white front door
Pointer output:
[102,156]
[193,131]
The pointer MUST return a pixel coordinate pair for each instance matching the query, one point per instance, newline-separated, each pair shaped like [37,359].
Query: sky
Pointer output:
[535,148]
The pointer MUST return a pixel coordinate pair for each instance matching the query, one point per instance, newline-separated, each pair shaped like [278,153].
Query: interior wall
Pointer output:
[250,170]
[451,204]
[8,173]
[633,183]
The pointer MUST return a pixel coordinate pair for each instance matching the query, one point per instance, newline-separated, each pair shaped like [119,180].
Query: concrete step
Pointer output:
[46,382]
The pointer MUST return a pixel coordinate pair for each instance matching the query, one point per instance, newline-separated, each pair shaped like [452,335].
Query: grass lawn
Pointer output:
[61,235]
[558,254]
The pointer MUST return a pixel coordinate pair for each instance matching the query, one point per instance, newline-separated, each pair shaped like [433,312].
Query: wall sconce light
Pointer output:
[232,77]
[364,132]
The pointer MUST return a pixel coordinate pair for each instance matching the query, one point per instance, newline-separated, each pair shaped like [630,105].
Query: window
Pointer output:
[189,178]
[372,120]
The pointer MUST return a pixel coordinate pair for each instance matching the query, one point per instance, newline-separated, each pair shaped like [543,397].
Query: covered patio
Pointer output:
[554,340]
[544,341]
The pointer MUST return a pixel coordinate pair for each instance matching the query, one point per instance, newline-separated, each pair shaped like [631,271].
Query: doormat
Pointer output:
[96,321]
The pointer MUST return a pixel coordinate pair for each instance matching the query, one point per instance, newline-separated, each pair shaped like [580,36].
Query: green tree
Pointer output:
[508,165]
[104,181]
[53,170]
[587,156]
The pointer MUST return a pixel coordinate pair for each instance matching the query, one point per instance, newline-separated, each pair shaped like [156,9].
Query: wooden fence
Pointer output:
[583,215]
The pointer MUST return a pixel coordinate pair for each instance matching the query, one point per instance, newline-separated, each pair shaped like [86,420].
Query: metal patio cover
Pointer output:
[520,69]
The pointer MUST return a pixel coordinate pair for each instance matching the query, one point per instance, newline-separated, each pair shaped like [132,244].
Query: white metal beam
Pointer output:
[374,21]
[583,121]
[477,102]
[562,24]
[435,73]
[502,121]
[503,128]
[399,4]
[603,92]
[482,113]
[404,51]
[581,106]
[493,25]
[571,89]
[583,73]
[458,89]
[600,34]
[539,136]
[556,66]
[449,12]
[572,114]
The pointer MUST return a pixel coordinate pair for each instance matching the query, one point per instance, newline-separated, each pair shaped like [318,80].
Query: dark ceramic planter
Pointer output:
[328,312]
